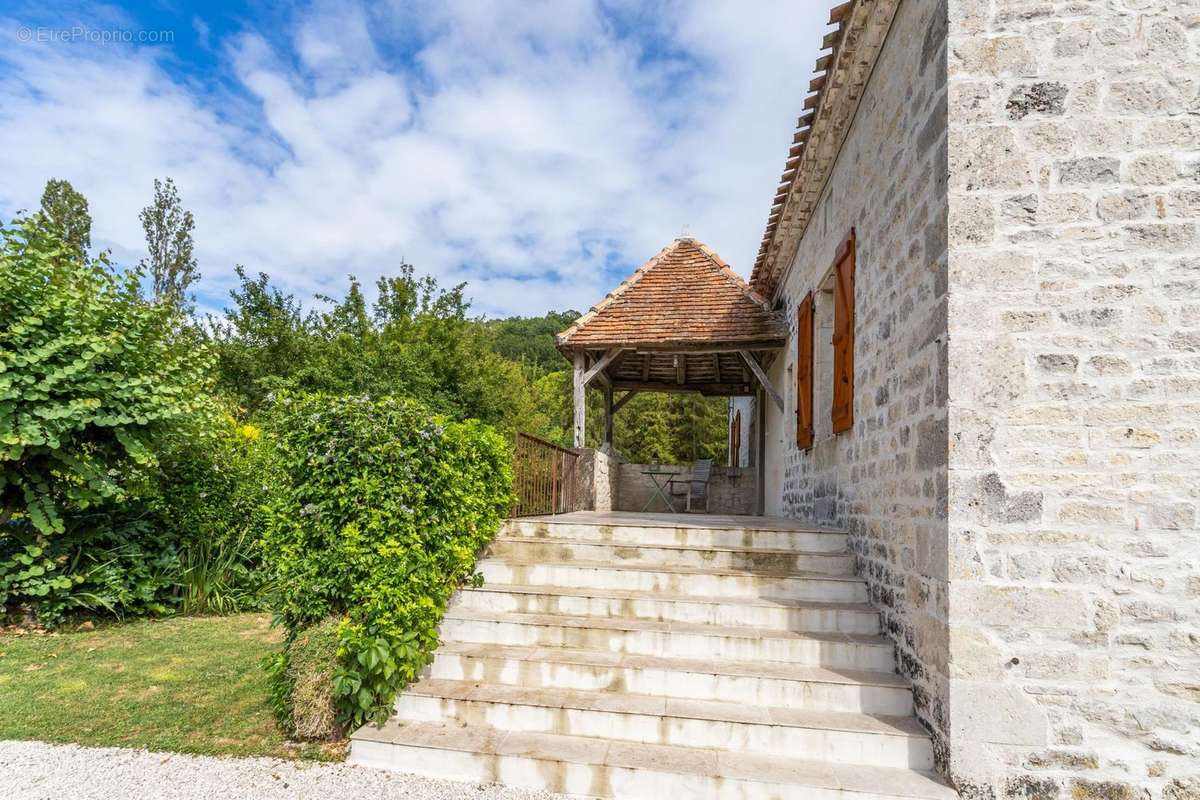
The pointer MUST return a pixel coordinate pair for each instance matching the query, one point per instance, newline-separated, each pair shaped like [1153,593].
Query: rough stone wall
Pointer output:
[885,480]
[597,480]
[1074,390]
[732,490]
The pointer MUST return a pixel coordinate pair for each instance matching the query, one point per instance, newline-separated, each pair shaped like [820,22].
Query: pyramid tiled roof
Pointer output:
[686,297]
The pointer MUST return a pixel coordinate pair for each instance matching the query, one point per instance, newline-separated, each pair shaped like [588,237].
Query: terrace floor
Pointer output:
[668,520]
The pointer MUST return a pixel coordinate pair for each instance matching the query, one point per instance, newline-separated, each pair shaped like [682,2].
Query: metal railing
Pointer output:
[545,477]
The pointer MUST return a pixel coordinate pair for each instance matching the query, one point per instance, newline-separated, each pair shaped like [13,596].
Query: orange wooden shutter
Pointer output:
[804,373]
[843,337]
[735,443]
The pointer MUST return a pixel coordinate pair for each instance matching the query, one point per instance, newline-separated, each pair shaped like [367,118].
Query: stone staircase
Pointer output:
[636,657]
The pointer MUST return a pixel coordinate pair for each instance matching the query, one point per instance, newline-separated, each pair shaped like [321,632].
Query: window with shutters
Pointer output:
[804,372]
[842,415]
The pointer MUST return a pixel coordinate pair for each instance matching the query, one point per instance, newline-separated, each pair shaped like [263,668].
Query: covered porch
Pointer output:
[683,322]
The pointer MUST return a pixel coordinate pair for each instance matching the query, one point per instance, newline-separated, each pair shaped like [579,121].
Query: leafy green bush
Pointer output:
[209,500]
[110,560]
[380,514]
[183,539]
[89,374]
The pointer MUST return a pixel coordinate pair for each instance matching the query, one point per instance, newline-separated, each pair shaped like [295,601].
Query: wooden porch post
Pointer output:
[580,398]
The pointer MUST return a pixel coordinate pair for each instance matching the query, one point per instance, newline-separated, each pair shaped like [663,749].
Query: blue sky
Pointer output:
[539,151]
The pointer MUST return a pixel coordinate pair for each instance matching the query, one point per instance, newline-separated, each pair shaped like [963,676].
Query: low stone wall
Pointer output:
[597,480]
[732,490]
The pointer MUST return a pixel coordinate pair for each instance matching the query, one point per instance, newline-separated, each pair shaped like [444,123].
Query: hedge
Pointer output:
[382,510]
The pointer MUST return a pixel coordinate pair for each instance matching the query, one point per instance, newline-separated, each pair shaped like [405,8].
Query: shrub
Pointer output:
[380,514]
[110,560]
[209,500]
[184,539]
[89,374]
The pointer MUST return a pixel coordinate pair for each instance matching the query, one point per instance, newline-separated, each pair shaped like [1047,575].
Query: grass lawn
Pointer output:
[188,685]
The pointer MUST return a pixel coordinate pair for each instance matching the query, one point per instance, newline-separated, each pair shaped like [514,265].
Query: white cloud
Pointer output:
[537,150]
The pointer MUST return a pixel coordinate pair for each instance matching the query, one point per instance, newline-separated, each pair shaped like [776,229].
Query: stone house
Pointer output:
[964,384]
[985,248]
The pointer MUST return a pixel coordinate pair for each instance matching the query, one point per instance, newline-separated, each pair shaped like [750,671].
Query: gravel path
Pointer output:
[37,771]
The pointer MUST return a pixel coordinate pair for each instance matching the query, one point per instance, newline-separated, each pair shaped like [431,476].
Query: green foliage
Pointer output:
[89,375]
[109,560]
[168,227]
[382,510]
[27,571]
[530,340]
[415,341]
[675,428]
[65,211]
[214,479]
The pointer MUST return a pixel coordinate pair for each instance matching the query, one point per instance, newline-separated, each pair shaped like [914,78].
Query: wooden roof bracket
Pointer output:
[605,360]
[763,380]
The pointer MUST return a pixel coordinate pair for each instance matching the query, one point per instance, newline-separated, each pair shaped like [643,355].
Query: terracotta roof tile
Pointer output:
[686,296]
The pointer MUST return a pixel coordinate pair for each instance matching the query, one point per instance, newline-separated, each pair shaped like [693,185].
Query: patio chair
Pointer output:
[697,484]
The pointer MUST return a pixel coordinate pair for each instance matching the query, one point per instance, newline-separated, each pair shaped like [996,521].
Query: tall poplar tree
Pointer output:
[169,239]
[66,211]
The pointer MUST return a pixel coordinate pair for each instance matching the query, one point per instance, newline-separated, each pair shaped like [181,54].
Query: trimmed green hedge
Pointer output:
[381,512]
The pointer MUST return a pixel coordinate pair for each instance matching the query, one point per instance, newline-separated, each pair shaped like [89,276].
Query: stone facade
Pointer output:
[732,490]
[885,480]
[1074,396]
[1021,480]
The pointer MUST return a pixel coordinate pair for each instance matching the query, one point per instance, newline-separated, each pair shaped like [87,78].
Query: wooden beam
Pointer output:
[580,399]
[716,357]
[625,398]
[720,389]
[763,380]
[680,368]
[604,361]
[646,366]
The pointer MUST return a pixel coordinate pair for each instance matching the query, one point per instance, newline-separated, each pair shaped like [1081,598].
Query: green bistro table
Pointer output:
[661,478]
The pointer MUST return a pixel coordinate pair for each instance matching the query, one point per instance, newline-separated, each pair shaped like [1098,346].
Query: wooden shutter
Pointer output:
[804,373]
[735,441]
[843,337]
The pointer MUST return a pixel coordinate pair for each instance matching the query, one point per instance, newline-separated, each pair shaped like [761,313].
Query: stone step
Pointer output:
[838,737]
[760,683]
[773,561]
[677,530]
[668,639]
[593,767]
[788,615]
[677,580]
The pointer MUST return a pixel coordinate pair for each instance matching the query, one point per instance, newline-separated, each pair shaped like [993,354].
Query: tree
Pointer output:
[66,211]
[530,340]
[90,374]
[415,341]
[168,228]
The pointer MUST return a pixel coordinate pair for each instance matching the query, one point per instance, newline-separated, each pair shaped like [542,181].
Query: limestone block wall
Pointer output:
[885,480]
[1074,388]
[597,480]
[732,490]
